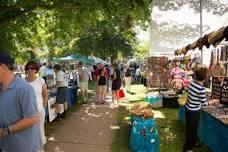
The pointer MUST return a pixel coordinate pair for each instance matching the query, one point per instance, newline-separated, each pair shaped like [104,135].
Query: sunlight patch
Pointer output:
[51,138]
[124,104]
[127,118]
[58,149]
[158,114]
[114,127]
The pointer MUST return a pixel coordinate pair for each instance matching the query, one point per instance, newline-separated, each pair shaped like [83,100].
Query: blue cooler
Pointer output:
[155,102]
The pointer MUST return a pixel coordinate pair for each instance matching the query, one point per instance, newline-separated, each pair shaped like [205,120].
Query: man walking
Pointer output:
[61,83]
[19,127]
[84,80]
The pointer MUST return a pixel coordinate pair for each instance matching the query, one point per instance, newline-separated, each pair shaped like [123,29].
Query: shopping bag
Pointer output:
[121,93]
[183,99]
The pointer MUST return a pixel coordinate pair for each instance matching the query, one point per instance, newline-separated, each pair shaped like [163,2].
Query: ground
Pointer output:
[171,130]
[105,128]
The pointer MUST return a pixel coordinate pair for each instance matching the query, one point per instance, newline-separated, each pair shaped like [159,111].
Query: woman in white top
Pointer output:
[40,88]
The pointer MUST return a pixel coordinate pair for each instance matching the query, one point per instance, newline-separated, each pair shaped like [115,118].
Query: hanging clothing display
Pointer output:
[219,61]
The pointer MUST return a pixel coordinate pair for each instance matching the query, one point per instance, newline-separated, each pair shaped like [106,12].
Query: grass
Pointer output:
[122,137]
[171,130]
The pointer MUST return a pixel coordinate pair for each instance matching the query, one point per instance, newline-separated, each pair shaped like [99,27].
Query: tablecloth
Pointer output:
[144,135]
[71,96]
[211,131]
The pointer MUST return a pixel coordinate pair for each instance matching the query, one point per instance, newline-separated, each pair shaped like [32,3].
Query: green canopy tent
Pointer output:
[86,60]
[76,58]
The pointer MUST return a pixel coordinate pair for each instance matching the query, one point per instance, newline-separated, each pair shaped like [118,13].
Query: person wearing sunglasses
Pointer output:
[39,85]
[19,127]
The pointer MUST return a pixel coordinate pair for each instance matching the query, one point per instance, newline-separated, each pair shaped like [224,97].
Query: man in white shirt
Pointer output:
[61,83]
[84,79]
[138,75]
[43,70]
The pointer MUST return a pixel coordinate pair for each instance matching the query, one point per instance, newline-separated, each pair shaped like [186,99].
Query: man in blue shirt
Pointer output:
[19,127]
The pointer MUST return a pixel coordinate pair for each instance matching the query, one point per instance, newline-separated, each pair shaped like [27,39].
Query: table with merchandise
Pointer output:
[213,127]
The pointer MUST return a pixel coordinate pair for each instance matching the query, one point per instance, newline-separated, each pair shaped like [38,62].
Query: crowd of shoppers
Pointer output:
[23,100]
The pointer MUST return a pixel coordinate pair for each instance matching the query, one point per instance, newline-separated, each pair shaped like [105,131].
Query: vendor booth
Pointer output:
[71,97]
[213,127]
[168,78]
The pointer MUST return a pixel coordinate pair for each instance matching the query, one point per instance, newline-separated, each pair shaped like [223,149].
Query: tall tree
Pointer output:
[60,23]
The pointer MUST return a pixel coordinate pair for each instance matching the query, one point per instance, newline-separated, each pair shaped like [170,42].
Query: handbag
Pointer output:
[121,93]
[183,98]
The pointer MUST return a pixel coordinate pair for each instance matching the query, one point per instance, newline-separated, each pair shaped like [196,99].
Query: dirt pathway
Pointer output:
[90,129]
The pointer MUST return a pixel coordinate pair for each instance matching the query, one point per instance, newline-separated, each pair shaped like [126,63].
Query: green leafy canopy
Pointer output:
[101,27]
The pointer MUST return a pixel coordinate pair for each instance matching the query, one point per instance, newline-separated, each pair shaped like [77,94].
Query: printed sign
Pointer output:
[51,109]
[220,89]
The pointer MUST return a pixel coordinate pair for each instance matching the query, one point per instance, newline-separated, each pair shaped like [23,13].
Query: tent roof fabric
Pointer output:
[212,38]
[81,58]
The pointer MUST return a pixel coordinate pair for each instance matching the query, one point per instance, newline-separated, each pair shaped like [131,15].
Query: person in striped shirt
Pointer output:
[196,100]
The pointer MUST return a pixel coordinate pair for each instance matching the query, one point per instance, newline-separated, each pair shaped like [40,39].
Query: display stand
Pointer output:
[220,89]
[157,66]
[170,99]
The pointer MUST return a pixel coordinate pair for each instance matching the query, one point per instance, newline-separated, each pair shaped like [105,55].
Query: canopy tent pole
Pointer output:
[201,30]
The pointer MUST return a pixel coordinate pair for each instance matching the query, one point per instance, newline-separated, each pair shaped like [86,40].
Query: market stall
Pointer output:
[168,77]
[71,97]
[213,127]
